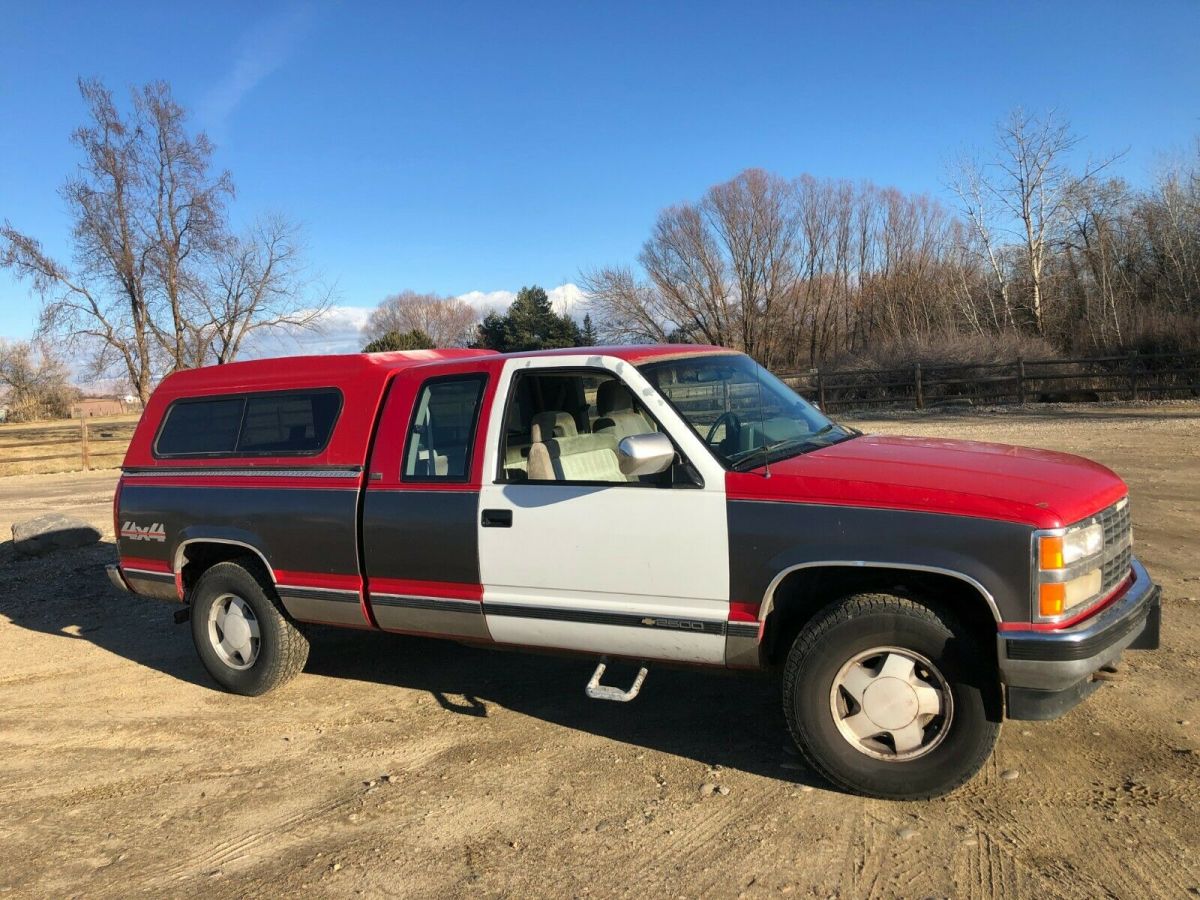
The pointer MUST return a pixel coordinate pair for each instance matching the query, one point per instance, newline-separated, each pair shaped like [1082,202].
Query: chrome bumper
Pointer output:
[1048,672]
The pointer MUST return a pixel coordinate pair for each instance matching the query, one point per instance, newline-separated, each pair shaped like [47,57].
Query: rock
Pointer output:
[51,532]
[1184,722]
[1010,774]
[388,779]
[723,791]
[906,833]
[707,789]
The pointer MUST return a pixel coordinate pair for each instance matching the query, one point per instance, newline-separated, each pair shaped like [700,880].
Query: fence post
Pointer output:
[821,390]
[1133,380]
[83,441]
[1021,380]
[919,387]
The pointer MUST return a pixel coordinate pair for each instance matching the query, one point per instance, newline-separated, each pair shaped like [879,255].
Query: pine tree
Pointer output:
[396,340]
[587,336]
[530,324]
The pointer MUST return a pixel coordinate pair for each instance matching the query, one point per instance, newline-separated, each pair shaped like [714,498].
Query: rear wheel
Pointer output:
[244,638]
[890,698]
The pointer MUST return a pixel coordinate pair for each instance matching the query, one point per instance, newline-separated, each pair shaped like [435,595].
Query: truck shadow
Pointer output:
[713,717]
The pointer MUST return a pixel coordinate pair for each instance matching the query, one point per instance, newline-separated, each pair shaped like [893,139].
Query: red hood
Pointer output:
[967,478]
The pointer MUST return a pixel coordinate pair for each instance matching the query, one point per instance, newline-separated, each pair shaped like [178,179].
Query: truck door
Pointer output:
[421,504]
[575,555]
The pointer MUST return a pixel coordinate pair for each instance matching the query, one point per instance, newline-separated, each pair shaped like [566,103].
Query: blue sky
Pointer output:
[462,147]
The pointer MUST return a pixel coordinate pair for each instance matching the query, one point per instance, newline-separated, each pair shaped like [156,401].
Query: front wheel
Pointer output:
[243,637]
[889,698]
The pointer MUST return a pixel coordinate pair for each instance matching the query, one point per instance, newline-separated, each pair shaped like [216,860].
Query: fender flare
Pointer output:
[768,601]
[244,541]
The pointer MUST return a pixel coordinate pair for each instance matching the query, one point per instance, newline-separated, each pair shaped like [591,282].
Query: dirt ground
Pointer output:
[400,766]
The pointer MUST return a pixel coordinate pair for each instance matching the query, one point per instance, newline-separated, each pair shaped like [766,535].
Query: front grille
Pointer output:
[1116,569]
[1115,521]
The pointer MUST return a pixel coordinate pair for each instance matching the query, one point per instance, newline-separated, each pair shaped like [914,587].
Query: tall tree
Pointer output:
[448,321]
[154,284]
[587,334]
[529,324]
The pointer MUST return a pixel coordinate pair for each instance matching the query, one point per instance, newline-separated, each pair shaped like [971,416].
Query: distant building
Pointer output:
[92,407]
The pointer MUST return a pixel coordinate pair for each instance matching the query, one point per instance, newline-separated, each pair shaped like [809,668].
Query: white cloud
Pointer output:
[260,52]
[340,329]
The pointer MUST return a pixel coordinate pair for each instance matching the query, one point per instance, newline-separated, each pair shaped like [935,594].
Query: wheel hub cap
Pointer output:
[891,704]
[233,631]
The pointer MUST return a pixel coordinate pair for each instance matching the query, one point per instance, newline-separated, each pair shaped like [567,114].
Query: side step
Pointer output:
[598,691]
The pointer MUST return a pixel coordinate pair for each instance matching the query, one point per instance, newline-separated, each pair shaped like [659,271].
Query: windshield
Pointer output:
[745,414]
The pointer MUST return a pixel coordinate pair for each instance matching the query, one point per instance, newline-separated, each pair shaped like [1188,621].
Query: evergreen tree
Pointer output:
[396,340]
[587,336]
[530,324]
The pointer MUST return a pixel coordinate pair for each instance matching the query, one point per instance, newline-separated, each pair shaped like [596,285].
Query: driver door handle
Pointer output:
[496,518]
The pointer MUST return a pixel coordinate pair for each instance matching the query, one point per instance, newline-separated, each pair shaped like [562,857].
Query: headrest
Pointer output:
[612,396]
[551,424]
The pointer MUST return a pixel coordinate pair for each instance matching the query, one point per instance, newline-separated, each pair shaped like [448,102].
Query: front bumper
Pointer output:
[1048,672]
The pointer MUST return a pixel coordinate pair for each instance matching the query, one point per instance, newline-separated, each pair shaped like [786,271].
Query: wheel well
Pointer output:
[200,556]
[805,592]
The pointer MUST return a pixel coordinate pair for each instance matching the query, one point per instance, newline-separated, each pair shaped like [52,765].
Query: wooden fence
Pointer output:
[1086,379]
[64,446]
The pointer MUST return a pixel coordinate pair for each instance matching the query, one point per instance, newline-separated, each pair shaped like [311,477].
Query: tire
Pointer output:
[258,664]
[955,698]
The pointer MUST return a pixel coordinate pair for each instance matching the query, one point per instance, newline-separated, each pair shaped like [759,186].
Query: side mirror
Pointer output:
[645,454]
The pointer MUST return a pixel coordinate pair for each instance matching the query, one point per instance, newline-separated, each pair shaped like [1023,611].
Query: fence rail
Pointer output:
[1130,377]
[81,444]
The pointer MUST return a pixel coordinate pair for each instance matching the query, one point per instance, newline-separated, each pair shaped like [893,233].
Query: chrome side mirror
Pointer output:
[645,454]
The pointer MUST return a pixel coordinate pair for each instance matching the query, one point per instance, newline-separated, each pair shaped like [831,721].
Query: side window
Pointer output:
[292,423]
[201,427]
[442,432]
[565,426]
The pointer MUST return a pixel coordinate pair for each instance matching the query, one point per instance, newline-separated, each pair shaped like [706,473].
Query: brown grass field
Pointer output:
[125,772]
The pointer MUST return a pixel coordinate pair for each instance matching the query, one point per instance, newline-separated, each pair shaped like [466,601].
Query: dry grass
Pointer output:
[47,447]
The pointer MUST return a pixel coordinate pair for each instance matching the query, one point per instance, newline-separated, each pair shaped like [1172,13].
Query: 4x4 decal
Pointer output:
[136,532]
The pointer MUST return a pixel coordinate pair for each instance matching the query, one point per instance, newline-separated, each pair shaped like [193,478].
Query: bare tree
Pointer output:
[34,382]
[1033,187]
[149,287]
[448,321]
[258,281]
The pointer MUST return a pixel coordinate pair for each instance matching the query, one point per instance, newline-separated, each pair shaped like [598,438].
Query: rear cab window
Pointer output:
[284,423]
[441,433]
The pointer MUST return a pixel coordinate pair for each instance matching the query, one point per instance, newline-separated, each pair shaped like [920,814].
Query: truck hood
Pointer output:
[1041,488]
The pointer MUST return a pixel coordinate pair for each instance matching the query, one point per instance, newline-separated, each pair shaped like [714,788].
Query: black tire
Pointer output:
[860,623]
[282,648]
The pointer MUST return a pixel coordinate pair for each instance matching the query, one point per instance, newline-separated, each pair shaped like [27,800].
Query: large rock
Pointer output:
[51,532]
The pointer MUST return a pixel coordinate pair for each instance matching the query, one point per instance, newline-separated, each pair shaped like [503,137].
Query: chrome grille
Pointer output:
[1116,523]
[1115,570]
[1117,533]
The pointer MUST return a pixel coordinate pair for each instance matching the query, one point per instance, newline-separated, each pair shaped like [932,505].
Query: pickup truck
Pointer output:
[649,503]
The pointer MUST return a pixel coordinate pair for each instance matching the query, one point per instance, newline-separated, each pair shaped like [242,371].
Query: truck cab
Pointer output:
[652,503]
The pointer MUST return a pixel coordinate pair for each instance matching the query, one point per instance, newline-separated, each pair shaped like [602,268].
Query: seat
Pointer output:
[572,456]
[618,411]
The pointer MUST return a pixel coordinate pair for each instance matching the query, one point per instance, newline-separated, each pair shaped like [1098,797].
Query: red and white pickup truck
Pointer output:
[644,503]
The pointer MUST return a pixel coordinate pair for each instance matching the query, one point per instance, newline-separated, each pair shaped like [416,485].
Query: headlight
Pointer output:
[1068,569]
[1062,551]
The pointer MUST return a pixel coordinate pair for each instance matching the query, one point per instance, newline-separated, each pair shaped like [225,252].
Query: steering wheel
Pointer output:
[732,424]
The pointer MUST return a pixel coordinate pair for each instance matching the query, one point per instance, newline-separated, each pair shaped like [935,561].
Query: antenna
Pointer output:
[762,420]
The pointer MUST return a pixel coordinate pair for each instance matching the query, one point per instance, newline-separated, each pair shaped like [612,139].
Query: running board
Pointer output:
[598,691]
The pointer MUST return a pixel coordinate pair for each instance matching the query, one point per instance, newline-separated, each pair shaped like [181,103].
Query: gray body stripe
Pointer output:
[594,617]
[148,575]
[335,595]
[442,603]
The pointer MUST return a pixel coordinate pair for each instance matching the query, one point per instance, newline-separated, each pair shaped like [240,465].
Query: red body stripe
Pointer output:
[150,565]
[451,590]
[740,611]
[319,580]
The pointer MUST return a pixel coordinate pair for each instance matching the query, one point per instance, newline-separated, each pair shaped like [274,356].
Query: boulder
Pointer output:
[51,532]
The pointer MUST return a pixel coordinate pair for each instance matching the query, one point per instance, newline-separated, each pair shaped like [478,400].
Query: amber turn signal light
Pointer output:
[1052,598]
[1050,553]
